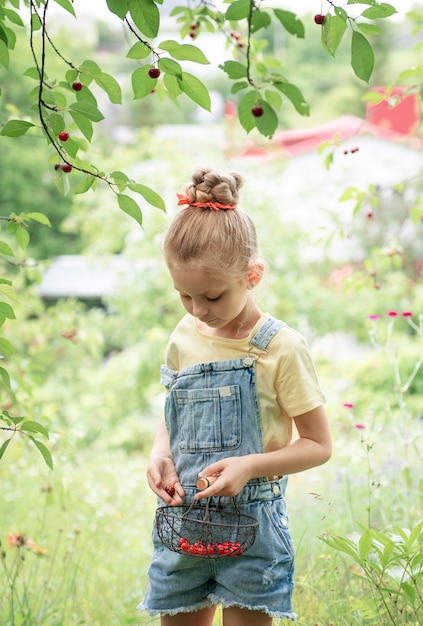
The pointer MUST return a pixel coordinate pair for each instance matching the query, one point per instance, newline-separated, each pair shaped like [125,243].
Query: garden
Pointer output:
[80,397]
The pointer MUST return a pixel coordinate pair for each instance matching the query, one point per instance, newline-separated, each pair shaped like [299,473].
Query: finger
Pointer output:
[179,489]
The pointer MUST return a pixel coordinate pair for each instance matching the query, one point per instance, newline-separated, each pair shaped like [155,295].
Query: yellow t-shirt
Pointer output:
[287,382]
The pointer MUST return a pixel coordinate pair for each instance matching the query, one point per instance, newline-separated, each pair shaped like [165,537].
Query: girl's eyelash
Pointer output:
[213,299]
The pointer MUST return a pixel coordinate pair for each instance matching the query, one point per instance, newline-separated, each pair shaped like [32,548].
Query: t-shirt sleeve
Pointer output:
[298,386]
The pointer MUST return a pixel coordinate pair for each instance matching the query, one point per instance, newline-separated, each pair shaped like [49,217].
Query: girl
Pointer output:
[237,380]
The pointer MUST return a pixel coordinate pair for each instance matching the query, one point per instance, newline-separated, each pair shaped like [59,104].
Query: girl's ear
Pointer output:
[255,274]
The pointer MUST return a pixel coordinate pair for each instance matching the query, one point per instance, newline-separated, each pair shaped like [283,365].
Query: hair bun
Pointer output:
[211,186]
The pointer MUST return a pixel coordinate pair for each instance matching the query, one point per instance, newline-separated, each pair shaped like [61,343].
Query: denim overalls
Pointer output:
[212,412]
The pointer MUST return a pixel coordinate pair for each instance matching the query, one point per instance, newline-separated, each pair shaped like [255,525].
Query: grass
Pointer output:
[90,519]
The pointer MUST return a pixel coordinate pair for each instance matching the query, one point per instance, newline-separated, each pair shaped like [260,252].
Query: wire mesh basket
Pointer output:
[205,530]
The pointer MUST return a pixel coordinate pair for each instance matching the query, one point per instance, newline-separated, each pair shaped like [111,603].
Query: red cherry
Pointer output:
[63,136]
[154,72]
[257,111]
[66,168]
[77,86]
[192,34]
[194,26]
[170,490]
[319,18]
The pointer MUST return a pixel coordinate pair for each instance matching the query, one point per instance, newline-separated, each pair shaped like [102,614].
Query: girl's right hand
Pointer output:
[163,480]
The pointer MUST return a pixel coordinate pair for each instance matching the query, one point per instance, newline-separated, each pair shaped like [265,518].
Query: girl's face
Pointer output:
[223,305]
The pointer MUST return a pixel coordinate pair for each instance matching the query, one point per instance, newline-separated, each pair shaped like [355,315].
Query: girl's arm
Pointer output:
[312,448]
[161,473]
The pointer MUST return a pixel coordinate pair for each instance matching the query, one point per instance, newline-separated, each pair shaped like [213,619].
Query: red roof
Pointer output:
[395,119]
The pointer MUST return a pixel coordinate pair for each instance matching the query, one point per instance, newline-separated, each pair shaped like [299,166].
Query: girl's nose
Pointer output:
[198,309]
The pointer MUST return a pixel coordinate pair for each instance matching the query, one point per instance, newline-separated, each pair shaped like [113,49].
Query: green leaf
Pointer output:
[13,17]
[148,194]
[83,124]
[6,348]
[146,16]
[342,544]
[170,67]
[34,427]
[38,217]
[184,52]
[238,10]
[142,84]
[368,29]
[14,420]
[139,51]
[273,98]
[22,237]
[110,85]
[365,544]
[4,54]
[290,22]
[121,180]
[118,7]
[378,11]
[3,447]
[247,120]
[90,67]
[260,19]
[16,128]
[172,86]
[45,452]
[4,375]
[195,89]
[129,206]
[268,122]
[234,69]
[7,311]
[5,249]
[295,96]
[409,591]
[362,56]
[85,182]
[67,5]
[333,30]
[87,109]
[239,86]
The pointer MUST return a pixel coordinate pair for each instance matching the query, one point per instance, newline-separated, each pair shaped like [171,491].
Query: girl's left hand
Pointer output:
[232,475]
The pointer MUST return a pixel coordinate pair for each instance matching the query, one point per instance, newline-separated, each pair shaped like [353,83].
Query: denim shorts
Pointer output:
[260,580]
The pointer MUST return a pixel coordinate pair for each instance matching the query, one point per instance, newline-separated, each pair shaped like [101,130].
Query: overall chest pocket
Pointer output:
[208,419]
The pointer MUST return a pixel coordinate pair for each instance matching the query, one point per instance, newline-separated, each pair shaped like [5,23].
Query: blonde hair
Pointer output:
[219,241]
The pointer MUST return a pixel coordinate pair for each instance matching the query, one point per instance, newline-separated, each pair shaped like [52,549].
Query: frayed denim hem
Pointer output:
[204,604]
[212,600]
[215,600]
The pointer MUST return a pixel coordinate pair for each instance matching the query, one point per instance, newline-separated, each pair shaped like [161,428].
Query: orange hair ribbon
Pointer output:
[216,206]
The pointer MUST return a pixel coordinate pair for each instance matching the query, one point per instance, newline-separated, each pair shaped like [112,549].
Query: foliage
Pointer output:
[88,381]
[389,556]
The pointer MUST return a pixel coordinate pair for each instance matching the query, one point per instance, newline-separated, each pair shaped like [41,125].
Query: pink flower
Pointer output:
[407,314]
[360,426]
[16,540]
[392,314]
[374,316]
[348,405]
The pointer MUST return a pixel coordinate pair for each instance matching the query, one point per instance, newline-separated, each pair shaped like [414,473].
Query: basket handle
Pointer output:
[207,481]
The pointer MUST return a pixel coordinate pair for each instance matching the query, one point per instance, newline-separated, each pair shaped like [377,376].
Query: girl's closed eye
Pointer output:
[214,299]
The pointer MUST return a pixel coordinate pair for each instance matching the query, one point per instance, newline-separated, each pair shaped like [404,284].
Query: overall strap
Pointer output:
[266,332]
